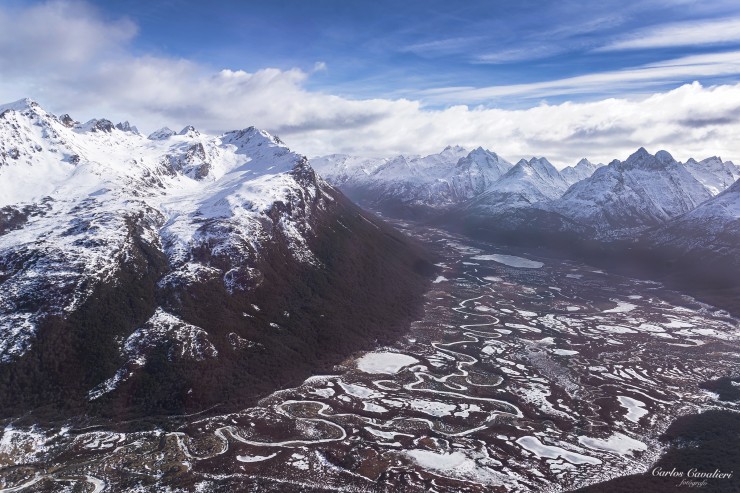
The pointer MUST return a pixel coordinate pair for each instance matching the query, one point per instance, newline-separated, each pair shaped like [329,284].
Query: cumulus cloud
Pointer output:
[92,74]
[690,121]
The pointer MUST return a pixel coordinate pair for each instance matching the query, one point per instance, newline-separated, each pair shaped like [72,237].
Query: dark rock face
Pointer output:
[102,125]
[67,121]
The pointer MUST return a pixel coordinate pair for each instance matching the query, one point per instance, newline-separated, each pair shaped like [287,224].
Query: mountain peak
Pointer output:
[664,157]
[68,121]
[455,148]
[126,127]
[161,134]
[639,154]
[97,125]
[20,105]
[189,131]
[252,135]
[643,159]
[582,170]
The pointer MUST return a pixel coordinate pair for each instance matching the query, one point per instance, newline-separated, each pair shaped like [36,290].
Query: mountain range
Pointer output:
[651,211]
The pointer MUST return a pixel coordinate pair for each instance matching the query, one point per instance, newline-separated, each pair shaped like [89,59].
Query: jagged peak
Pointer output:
[639,154]
[480,151]
[455,148]
[539,160]
[20,105]
[539,163]
[664,157]
[127,127]
[161,134]
[643,159]
[251,135]
[584,162]
[68,121]
[97,125]
[189,131]
[711,159]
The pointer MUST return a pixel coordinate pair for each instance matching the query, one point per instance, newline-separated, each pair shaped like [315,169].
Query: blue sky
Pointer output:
[315,69]
[392,48]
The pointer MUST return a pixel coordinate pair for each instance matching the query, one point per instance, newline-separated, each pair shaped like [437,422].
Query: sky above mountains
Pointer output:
[561,79]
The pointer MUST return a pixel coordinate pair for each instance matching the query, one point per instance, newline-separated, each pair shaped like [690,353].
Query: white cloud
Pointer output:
[709,65]
[703,32]
[446,46]
[56,36]
[102,79]
[691,120]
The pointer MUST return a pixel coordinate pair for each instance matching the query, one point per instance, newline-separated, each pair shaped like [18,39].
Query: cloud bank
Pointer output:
[80,63]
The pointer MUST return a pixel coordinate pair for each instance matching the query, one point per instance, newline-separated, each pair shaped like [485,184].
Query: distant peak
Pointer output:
[98,125]
[127,127]
[454,148]
[584,162]
[20,105]
[640,153]
[478,151]
[189,131]
[28,102]
[643,159]
[664,157]
[251,134]
[539,161]
[68,121]
[161,134]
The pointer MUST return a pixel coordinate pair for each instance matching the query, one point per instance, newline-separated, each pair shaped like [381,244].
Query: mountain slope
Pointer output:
[171,273]
[710,230]
[715,174]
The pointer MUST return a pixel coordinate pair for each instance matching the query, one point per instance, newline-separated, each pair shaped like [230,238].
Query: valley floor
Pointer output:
[525,374]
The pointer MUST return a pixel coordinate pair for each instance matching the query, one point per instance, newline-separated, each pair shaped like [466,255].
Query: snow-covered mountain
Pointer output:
[716,175]
[712,226]
[476,173]
[582,170]
[414,184]
[525,184]
[626,196]
[178,236]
